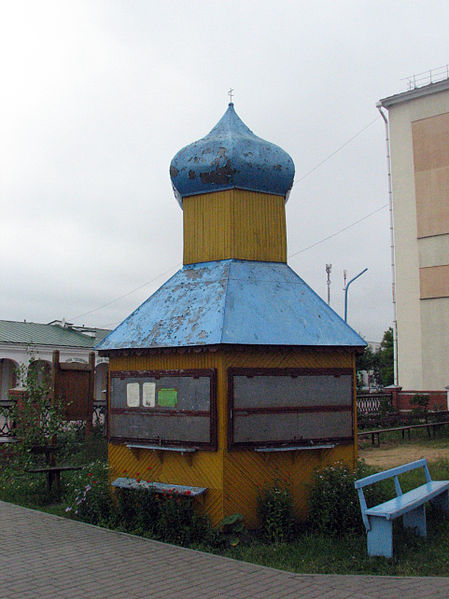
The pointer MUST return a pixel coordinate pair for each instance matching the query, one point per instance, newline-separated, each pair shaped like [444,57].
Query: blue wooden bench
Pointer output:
[163,488]
[410,505]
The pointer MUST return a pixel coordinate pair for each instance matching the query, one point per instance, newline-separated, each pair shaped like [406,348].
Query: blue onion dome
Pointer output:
[229,157]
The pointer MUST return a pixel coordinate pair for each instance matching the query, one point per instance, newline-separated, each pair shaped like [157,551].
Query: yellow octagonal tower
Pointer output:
[235,373]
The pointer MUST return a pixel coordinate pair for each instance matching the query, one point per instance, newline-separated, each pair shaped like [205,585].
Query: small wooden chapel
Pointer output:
[234,373]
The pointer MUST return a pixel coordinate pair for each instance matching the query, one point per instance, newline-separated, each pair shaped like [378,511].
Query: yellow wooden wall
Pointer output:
[204,469]
[232,477]
[245,471]
[245,225]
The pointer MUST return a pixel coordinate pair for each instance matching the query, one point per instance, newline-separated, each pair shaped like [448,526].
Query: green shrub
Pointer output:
[88,495]
[37,416]
[275,510]
[136,511]
[333,500]
[167,517]
[420,405]
[229,531]
[78,450]
[18,486]
[178,522]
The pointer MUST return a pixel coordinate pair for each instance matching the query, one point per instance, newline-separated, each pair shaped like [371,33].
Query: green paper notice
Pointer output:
[167,398]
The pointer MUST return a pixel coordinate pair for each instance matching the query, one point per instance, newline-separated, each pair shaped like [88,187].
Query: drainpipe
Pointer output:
[393,264]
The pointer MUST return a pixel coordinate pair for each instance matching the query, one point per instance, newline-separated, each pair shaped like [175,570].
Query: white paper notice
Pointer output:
[149,395]
[132,395]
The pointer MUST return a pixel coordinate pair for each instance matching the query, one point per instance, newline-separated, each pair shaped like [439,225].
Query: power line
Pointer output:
[317,166]
[290,256]
[109,324]
[125,294]
[338,232]
[303,250]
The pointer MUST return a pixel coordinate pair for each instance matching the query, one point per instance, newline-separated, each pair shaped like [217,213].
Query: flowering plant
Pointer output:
[333,501]
[168,516]
[38,417]
[88,496]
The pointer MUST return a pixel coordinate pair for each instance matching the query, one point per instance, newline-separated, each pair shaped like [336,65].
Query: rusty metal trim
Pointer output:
[294,410]
[234,371]
[309,443]
[193,372]
[160,412]
[232,347]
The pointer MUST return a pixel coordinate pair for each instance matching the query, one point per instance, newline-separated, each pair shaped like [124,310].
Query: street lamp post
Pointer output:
[346,291]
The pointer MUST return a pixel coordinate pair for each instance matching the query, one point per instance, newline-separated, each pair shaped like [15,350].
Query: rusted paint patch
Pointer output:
[221,175]
[231,156]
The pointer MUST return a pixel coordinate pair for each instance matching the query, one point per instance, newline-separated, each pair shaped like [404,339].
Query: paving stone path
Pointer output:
[47,557]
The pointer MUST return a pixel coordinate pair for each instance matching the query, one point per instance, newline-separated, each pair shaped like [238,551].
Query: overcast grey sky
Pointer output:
[98,96]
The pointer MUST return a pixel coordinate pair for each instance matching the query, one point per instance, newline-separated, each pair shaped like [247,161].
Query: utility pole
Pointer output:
[328,272]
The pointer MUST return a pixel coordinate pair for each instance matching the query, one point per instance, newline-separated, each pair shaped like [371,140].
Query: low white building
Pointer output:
[25,342]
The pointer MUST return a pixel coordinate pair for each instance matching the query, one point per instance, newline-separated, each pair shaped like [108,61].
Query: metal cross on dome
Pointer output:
[230,94]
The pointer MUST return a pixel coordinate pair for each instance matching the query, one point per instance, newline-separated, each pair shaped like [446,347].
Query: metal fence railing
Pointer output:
[6,424]
[430,76]
[371,403]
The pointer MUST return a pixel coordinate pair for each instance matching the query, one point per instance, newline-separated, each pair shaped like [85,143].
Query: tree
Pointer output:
[386,354]
[38,417]
[369,361]
[378,364]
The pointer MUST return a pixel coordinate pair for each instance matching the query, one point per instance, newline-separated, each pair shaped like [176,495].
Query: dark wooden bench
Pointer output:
[411,506]
[375,434]
[53,475]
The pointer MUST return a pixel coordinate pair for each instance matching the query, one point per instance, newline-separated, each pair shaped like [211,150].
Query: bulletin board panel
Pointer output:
[289,406]
[164,407]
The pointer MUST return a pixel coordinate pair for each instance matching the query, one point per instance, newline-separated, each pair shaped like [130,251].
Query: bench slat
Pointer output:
[54,469]
[374,478]
[408,501]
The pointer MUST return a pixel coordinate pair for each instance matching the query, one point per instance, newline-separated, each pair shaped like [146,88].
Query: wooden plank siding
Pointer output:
[231,477]
[239,224]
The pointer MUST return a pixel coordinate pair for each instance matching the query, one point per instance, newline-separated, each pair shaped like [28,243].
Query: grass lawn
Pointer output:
[307,553]
[413,556]
[438,436]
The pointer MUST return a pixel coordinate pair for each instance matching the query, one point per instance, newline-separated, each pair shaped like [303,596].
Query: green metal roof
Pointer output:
[32,333]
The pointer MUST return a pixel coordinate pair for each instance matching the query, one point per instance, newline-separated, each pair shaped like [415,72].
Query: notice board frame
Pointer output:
[292,372]
[195,373]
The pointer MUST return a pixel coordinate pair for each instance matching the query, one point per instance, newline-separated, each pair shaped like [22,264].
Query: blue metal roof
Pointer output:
[233,302]
[231,156]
